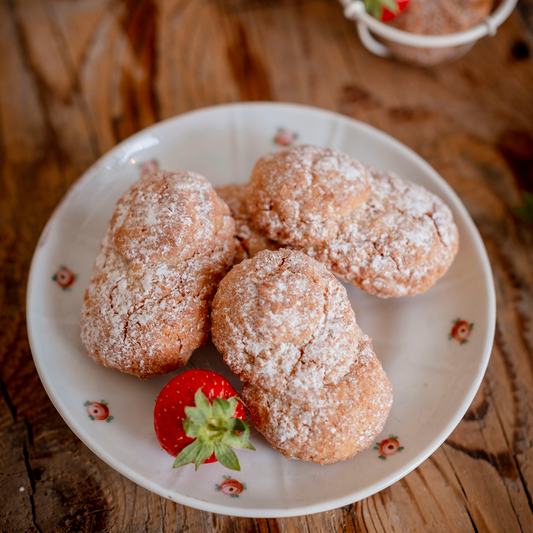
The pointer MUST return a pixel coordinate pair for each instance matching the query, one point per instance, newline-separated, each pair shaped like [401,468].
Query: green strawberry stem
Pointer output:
[214,429]
[374,7]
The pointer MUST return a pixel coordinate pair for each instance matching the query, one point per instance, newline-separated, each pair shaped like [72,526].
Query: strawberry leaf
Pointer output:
[239,440]
[391,5]
[236,424]
[213,427]
[220,408]
[194,430]
[188,454]
[226,456]
[375,7]
[202,403]
[205,451]
[248,445]
[196,416]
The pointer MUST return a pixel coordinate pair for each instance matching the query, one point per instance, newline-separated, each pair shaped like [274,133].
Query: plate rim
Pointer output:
[326,504]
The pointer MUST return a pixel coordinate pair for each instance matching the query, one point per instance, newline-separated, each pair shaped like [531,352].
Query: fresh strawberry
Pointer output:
[199,417]
[385,9]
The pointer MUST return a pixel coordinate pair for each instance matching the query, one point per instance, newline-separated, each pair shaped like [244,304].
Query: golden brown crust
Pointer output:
[248,239]
[297,195]
[313,385]
[436,17]
[335,425]
[168,244]
[398,243]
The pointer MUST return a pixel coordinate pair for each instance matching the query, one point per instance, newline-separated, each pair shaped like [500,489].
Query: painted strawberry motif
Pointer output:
[461,331]
[199,418]
[388,447]
[98,410]
[385,10]
[285,137]
[149,167]
[231,487]
[64,277]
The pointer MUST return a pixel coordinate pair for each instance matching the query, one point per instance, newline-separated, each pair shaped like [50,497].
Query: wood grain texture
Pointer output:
[78,76]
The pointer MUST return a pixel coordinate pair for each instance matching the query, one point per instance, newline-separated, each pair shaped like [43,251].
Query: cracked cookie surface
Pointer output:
[248,239]
[397,243]
[168,244]
[312,384]
[297,195]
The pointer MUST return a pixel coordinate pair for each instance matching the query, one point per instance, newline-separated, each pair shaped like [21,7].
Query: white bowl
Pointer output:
[355,10]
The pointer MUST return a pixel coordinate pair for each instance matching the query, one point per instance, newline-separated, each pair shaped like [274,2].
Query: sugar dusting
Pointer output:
[396,243]
[313,385]
[168,244]
[248,239]
[297,195]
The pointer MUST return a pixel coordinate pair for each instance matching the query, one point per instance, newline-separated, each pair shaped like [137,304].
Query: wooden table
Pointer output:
[76,77]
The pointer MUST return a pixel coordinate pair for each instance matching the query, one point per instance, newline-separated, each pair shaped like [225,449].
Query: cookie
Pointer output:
[397,243]
[296,196]
[248,239]
[168,244]
[436,17]
[312,383]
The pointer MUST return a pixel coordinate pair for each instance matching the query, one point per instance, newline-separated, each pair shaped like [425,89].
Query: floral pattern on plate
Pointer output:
[98,410]
[388,447]
[64,277]
[231,487]
[285,137]
[460,331]
[148,167]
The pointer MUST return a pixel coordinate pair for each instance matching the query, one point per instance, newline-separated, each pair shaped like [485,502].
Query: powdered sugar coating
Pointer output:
[285,326]
[147,307]
[397,243]
[297,195]
[167,215]
[332,424]
[436,17]
[248,239]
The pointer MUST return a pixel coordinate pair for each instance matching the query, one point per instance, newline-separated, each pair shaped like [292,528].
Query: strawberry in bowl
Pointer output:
[385,10]
[199,418]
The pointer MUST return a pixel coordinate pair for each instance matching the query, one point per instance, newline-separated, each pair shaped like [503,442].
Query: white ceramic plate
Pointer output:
[435,372]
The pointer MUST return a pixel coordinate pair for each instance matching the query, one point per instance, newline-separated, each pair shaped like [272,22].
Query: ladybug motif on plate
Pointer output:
[461,331]
[64,277]
[285,137]
[98,411]
[388,447]
[231,487]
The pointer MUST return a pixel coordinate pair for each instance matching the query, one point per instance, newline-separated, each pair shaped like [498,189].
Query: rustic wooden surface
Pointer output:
[78,76]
